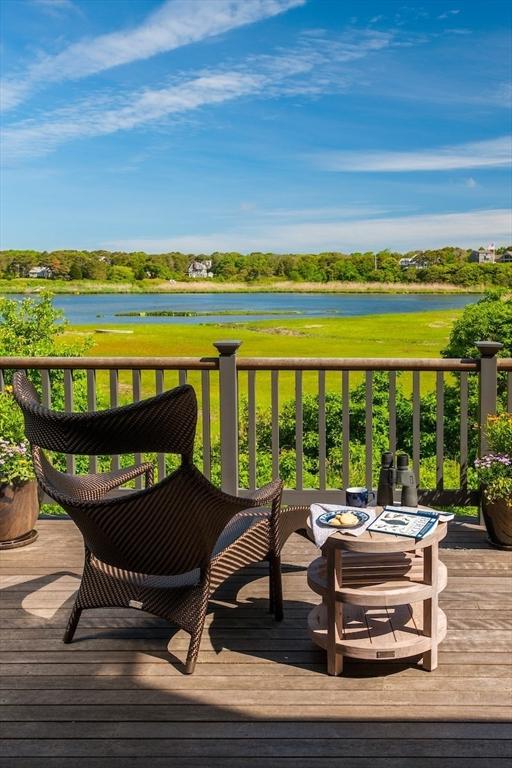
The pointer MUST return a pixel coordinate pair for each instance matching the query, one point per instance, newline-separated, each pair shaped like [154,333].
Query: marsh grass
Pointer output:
[26,285]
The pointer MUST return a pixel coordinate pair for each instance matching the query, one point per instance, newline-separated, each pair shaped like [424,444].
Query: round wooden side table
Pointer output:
[379,598]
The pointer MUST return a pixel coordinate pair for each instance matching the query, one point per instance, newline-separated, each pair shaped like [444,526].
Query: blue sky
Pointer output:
[284,125]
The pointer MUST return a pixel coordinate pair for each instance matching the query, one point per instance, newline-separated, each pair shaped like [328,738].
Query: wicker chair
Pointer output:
[164,549]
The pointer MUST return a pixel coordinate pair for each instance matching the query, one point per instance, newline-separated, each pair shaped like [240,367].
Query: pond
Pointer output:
[101,309]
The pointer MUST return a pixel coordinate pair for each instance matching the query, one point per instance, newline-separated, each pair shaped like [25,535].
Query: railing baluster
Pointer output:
[392,411]
[206,425]
[46,389]
[464,430]
[159,388]
[369,429]
[114,402]
[416,421]
[275,422]
[509,392]
[322,468]
[251,427]
[136,396]
[345,426]
[91,406]
[68,406]
[439,430]
[182,377]
[2,380]
[298,431]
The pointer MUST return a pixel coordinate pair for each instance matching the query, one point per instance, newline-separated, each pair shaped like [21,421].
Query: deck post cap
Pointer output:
[227,348]
[488,348]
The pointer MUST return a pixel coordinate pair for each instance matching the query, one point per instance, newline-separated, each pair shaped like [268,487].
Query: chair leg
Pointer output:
[72,623]
[276,587]
[195,638]
[271,601]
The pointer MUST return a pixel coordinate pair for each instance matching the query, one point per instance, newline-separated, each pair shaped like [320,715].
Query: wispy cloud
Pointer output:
[447,14]
[174,24]
[309,69]
[57,8]
[478,154]
[32,137]
[325,214]
[465,229]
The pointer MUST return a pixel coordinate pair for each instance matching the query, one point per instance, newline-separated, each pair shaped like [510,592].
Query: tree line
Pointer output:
[442,265]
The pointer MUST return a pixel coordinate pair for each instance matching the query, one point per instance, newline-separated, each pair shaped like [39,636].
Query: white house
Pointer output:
[40,272]
[200,269]
[414,262]
[484,255]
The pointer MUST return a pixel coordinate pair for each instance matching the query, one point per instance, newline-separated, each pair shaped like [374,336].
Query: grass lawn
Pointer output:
[421,334]
[402,335]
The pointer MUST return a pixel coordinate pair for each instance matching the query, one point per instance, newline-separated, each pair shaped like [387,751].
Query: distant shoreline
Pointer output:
[34,287]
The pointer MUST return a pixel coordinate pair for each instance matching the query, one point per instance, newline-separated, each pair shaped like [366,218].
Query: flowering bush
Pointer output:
[15,461]
[495,469]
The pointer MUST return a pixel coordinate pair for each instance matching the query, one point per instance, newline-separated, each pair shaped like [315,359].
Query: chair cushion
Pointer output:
[236,527]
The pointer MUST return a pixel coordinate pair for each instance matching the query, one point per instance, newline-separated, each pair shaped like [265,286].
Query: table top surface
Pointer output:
[374,541]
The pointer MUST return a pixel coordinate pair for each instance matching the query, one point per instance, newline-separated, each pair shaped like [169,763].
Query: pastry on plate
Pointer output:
[344,520]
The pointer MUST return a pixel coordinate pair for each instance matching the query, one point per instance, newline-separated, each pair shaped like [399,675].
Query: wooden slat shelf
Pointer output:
[377,633]
[391,583]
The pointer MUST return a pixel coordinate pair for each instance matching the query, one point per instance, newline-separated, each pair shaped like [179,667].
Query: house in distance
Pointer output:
[44,273]
[200,269]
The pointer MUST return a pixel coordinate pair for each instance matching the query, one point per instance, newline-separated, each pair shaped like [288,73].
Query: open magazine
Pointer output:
[444,517]
[397,521]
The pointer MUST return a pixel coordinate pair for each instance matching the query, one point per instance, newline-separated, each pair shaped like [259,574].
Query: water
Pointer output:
[101,309]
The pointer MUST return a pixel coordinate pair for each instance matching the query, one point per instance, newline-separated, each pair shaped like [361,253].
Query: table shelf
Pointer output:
[378,633]
[376,583]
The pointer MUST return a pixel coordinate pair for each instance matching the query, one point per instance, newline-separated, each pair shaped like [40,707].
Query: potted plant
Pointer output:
[19,503]
[494,471]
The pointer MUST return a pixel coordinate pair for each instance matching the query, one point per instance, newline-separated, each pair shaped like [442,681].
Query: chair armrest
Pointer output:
[262,496]
[95,486]
[120,476]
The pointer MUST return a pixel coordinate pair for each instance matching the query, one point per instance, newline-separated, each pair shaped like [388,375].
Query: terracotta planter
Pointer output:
[498,521]
[19,508]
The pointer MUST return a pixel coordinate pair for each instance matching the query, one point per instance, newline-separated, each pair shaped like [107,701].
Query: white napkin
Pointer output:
[322,532]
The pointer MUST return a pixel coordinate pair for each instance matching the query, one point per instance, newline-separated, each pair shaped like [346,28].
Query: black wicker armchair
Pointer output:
[164,549]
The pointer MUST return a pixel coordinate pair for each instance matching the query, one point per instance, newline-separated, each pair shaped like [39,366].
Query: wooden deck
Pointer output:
[260,695]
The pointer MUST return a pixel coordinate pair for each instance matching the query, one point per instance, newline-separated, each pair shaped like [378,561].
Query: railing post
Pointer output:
[488,392]
[228,397]
[488,389]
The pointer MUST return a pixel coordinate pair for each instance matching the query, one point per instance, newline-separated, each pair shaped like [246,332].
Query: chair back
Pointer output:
[165,423]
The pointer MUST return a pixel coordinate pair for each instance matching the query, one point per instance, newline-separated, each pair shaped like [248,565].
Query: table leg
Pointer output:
[431,555]
[334,611]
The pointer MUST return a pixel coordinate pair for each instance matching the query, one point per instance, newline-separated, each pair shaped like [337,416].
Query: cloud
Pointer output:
[33,137]
[174,24]
[479,154]
[346,212]
[57,8]
[448,14]
[401,233]
[309,69]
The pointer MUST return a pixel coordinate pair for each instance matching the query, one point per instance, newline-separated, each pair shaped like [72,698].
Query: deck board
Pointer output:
[260,696]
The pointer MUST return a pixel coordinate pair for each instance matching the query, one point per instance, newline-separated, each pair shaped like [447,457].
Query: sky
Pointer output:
[255,125]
